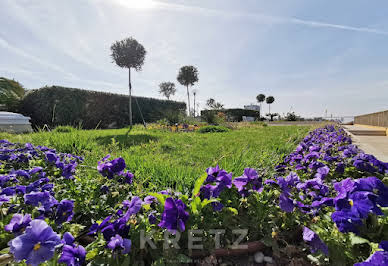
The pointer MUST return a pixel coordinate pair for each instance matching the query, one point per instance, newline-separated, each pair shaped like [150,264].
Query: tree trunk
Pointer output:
[194,105]
[188,99]
[130,99]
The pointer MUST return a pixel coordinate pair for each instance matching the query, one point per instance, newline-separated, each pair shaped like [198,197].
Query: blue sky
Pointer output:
[310,55]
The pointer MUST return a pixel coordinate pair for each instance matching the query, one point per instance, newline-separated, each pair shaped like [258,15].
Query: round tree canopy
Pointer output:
[128,53]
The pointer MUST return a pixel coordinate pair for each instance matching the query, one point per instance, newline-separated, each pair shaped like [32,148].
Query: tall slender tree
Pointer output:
[188,76]
[269,100]
[167,89]
[260,98]
[128,53]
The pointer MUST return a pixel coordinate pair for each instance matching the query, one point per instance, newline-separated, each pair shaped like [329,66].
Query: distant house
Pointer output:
[252,107]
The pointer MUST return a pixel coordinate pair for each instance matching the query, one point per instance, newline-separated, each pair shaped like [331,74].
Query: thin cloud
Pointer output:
[20,52]
[336,26]
[266,18]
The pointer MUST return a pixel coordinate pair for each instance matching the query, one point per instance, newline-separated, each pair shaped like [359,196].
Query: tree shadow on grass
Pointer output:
[126,141]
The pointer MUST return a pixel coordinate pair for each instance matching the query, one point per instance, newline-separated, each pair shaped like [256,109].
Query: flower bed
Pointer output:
[176,127]
[327,204]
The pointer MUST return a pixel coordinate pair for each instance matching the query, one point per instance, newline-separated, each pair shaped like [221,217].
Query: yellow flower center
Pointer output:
[64,214]
[351,202]
[274,234]
[37,246]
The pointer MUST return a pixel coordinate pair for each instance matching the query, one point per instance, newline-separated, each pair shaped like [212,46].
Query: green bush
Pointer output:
[209,117]
[163,122]
[213,129]
[59,106]
[11,93]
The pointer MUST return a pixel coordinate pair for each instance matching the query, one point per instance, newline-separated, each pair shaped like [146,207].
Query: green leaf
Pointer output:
[91,254]
[160,197]
[207,201]
[198,183]
[356,240]
[195,204]
[233,210]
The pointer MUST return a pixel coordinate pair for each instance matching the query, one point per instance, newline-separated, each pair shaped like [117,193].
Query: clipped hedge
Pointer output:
[55,106]
[234,115]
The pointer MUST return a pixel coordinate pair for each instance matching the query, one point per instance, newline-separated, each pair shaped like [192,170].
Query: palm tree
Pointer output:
[187,76]
[128,53]
[269,100]
[260,98]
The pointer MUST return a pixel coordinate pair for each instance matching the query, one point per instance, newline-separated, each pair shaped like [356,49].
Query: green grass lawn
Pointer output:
[161,159]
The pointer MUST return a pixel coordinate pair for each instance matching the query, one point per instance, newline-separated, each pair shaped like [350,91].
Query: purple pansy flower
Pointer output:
[35,170]
[40,198]
[149,200]
[128,177]
[8,191]
[118,243]
[356,199]
[216,181]
[110,168]
[322,172]
[68,238]
[3,199]
[249,180]
[285,203]
[36,245]
[217,206]
[51,157]
[22,173]
[68,170]
[313,240]
[64,211]
[18,223]
[73,255]
[174,215]
[133,206]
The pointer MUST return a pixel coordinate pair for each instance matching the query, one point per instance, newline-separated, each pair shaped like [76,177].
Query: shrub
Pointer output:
[55,106]
[11,92]
[212,129]
[209,116]
[234,115]
[163,122]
